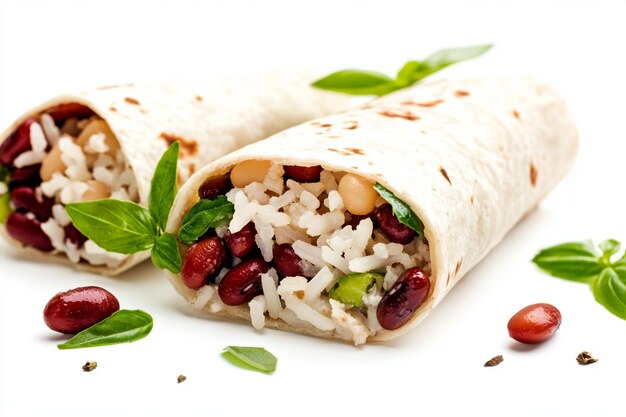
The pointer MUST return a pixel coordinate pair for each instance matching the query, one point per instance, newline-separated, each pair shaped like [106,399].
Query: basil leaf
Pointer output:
[351,288]
[163,186]
[5,207]
[576,261]
[400,209]
[447,57]
[357,82]
[123,326]
[114,225]
[165,253]
[609,248]
[609,289]
[204,215]
[253,358]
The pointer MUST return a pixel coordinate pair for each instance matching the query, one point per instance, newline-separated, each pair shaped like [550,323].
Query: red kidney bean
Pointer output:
[286,261]
[215,186]
[74,235]
[535,323]
[75,310]
[25,198]
[403,299]
[66,111]
[28,176]
[355,219]
[241,244]
[395,231]
[203,262]
[27,230]
[243,282]
[16,144]
[303,174]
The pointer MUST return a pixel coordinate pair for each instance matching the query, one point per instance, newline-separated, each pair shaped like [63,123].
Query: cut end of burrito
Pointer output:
[355,226]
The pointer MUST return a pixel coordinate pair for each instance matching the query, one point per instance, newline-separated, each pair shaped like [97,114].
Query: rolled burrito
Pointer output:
[356,225]
[106,142]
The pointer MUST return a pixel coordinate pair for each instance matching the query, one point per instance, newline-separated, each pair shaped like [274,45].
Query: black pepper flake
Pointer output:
[90,366]
[585,358]
[495,361]
[181,378]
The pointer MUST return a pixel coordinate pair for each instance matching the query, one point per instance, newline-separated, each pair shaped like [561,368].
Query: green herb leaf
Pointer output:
[351,288]
[114,225]
[163,186]
[204,215]
[165,253]
[447,57]
[357,82]
[5,207]
[401,210]
[576,261]
[609,289]
[123,326]
[254,358]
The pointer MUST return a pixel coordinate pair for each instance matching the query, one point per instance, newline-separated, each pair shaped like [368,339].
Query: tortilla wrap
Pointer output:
[470,157]
[209,118]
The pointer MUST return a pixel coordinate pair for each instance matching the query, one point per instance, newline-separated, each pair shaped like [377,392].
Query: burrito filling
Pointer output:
[310,247]
[65,155]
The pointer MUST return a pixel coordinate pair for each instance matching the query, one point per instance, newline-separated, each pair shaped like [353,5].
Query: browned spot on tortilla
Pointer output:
[199,98]
[424,104]
[515,114]
[533,174]
[113,108]
[351,124]
[472,199]
[356,151]
[109,87]
[334,137]
[445,174]
[192,168]
[457,268]
[326,125]
[461,93]
[299,294]
[339,151]
[399,114]
[187,146]
[131,100]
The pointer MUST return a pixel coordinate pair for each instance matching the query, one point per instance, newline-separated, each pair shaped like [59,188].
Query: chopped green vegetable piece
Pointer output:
[351,288]
[251,358]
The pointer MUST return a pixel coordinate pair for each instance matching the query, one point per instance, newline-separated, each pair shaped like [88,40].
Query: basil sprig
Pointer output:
[251,358]
[124,326]
[204,215]
[401,210]
[359,82]
[582,262]
[5,207]
[126,227]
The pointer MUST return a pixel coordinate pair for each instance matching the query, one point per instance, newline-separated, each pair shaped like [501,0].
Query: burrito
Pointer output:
[356,225]
[106,142]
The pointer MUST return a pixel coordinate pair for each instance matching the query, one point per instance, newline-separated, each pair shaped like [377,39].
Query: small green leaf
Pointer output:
[255,358]
[165,253]
[163,186]
[609,248]
[447,57]
[357,82]
[351,288]
[5,207]
[609,289]
[123,326]
[576,261]
[204,215]
[114,225]
[401,210]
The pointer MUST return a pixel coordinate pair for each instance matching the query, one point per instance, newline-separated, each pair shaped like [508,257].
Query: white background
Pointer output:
[47,47]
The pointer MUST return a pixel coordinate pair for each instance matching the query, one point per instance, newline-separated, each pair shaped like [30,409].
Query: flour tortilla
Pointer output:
[209,118]
[471,157]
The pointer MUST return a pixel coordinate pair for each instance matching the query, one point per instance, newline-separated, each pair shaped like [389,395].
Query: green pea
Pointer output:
[351,288]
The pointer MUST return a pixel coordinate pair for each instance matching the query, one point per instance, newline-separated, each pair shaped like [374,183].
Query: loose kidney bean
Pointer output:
[241,244]
[535,323]
[63,112]
[28,176]
[203,262]
[25,198]
[75,310]
[303,174]
[286,261]
[395,231]
[243,282]
[16,144]
[27,230]
[403,299]
[73,235]
[214,187]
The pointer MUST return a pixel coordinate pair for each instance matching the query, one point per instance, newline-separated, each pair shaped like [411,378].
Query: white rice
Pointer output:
[60,215]
[50,129]
[203,296]
[258,307]
[274,306]
[96,144]
[38,144]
